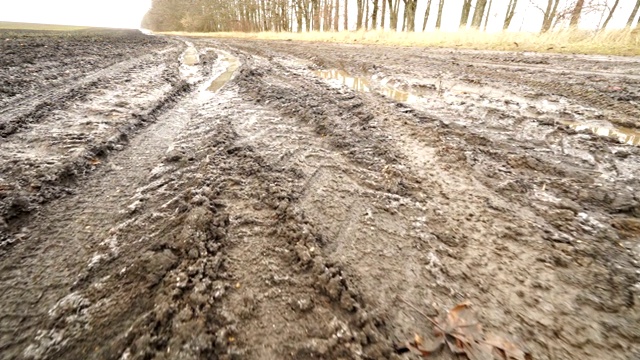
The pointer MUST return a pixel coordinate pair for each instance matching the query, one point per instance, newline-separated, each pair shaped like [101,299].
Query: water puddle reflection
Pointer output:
[218,82]
[364,85]
[190,56]
[624,135]
[188,61]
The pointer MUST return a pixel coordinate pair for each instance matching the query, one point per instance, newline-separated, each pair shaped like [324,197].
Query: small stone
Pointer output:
[194,253]
[304,304]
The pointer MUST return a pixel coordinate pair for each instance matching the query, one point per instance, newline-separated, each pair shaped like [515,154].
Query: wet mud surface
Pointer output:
[203,199]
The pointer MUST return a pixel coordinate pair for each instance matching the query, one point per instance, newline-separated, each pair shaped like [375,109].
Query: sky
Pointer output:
[129,13]
[104,13]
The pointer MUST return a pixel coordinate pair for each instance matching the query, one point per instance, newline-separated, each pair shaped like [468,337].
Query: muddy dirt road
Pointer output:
[169,198]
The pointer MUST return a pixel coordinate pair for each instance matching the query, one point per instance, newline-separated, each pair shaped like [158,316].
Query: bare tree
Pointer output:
[315,6]
[308,14]
[366,16]
[336,16]
[328,15]
[394,6]
[404,19]
[426,15]
[439,19]
[575,15]
[374,15]
[464,17]
[549,14]
[346,15]
[633,14]
[486,19]
[410,7]
[384,13]
[511,10]
[298,8]
[476,21]
[360,14]
[613,8]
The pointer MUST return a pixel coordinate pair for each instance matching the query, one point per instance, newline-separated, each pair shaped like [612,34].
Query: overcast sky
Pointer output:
[129,13]
[108,13]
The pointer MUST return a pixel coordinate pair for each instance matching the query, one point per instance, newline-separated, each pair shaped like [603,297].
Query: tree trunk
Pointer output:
[384,14]
[575,14]
[391,20]
[326,21]
[439,19]
[291,13]
[346,15]
[336,17]
[394,6]
[476,21]
[613,8]
[286,20]
[633,14]
[410,14]
[486,19]
[426,15]
[374,15]
[404,19]
[299,15]
[550,15]
[265,20]
[316,14]
[366,16]
[308,15]
[464,17]
[511,10]
[360,14]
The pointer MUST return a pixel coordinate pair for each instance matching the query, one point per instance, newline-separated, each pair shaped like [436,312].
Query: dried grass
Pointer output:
[613,42]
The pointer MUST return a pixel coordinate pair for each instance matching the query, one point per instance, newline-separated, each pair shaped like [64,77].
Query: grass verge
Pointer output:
[613,42]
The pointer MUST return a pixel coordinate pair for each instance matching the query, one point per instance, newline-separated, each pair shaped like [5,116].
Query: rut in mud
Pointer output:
[237,199]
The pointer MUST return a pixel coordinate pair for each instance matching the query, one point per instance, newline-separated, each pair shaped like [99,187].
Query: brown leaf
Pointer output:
[462,328]
[478,351]
[462,320]
[463,334]
[418,347]
[506,348]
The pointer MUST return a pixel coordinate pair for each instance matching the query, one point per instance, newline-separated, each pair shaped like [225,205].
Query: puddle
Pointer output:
[221,72]
[190,56]
[188,61]
[233,65]
[624,135]
[364,85]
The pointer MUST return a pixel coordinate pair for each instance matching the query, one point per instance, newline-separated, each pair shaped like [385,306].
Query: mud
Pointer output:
[270,200]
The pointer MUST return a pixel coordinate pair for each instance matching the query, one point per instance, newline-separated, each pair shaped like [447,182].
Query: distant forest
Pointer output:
[339,15]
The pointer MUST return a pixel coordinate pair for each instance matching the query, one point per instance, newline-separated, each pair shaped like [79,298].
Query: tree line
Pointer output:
[335,15]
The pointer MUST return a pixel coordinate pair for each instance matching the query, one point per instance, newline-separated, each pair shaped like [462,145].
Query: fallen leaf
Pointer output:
[463,334]
[418,347]
[507,349]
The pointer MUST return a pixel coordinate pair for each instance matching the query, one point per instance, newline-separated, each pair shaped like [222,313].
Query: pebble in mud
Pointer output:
[304,304]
